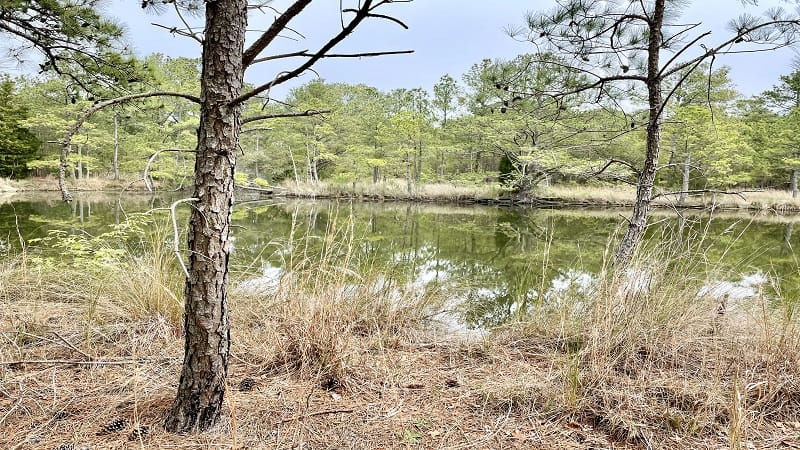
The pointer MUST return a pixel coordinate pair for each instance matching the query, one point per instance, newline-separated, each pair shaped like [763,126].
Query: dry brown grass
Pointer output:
[91,184]
[331,358]
[394,190]
[760,200]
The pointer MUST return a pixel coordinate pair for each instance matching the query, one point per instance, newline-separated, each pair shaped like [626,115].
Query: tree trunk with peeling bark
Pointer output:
[202,383]
[644,191]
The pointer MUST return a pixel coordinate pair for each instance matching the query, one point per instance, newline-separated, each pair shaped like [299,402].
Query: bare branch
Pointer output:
[732,40]
[307,113]
[739,194]
[193,34]
[178,31]
[146,174]
[615,161]
[362,13]
[176,236]
[305,53]
[274,30]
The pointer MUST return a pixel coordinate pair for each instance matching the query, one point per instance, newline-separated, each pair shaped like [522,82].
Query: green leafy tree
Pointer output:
[785,97]
[18,145]
[615,46]
[688,126]
[445,97]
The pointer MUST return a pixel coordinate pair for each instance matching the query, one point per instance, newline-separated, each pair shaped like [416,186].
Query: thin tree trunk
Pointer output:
[257,153]
[80,162]
[418,168]
[687,162]
[62,177]
[409,182]
[115,160]
[309,170]
[202,383]
[794,182]
[294,166]
[644,191]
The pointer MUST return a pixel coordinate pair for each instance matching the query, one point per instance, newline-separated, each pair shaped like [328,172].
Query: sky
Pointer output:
[447,36]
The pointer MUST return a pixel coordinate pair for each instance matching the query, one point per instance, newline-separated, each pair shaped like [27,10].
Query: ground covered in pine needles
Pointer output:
[90,360]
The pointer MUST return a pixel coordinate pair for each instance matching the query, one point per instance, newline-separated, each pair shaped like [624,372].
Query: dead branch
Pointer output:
[178,31]
[176,237]
[739,194]
[306,113]
[305,53]
[274,30]
[610,163]
[145,175]
[115,362]
[361,13]
[718,48]
[253,130]
[71,345]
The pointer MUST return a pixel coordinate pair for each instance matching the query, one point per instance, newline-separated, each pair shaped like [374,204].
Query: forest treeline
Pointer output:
[468,130]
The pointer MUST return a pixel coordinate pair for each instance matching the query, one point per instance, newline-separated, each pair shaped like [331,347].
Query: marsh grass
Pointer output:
[337,355]
[395,189]
[649,357]
[600,195]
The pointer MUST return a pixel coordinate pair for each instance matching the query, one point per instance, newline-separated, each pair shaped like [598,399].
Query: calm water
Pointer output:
[495,261]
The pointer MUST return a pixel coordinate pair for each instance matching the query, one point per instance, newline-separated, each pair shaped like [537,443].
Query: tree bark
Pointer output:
[644,191]
[794,182]
[202,382]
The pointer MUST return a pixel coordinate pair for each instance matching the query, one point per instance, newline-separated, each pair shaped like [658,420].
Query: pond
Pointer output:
[494,260]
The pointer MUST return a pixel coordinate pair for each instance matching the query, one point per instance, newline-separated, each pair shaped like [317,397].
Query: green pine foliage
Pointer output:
[18,145]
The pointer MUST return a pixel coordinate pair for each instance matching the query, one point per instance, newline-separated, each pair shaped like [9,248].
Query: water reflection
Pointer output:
[493,263]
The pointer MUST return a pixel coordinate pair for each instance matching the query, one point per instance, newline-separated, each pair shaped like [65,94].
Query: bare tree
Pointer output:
[612,47]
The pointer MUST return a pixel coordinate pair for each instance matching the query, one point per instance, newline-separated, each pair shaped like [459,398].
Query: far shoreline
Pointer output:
[558,196]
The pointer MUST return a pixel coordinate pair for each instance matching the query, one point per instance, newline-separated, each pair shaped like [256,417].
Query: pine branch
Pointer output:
[274,30]
[307,113]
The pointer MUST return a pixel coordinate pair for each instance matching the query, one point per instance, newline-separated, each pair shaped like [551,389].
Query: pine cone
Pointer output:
[115,425]
[331,384]
[60,415]
[139,433]
[247,385]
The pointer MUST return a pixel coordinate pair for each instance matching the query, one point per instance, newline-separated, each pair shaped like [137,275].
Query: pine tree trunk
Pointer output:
[202,383]
[644,191]
[794,182]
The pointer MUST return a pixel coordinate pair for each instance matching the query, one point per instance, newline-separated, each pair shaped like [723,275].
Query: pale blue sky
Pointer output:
[448,36]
